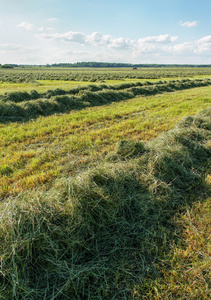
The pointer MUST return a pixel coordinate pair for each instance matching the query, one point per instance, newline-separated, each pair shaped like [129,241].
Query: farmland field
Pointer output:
[105,183]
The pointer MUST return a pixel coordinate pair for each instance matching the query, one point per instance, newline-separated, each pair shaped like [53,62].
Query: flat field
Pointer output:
[105,183]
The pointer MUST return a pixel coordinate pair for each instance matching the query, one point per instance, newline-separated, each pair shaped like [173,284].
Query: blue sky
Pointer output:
[135,31]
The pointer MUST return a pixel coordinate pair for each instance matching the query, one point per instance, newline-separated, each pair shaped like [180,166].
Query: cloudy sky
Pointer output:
[135,31]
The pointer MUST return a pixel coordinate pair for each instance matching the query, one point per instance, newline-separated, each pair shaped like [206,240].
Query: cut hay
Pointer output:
[101,234]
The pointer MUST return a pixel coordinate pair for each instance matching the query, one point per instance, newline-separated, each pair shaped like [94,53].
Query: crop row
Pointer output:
[24,96]
[23,105]
[97,75]
[163,86]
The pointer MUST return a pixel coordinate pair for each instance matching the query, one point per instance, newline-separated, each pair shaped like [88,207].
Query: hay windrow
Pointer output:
[22,106]
[101,234]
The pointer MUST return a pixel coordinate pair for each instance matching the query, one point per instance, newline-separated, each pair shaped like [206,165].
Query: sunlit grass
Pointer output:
[39,85]
[38,151]
[44,85]
[189,273]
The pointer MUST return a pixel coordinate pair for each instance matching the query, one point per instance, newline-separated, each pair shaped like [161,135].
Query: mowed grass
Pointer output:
[136,225]
[39,85]
[189,269]
[36,152]
[44,85]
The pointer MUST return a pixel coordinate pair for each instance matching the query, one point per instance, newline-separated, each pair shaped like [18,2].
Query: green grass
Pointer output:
[39,85]
[189,272]
[36,152]
[44,85]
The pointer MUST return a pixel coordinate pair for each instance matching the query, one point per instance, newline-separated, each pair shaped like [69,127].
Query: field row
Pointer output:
[19,106]
[34,153]
[98,74]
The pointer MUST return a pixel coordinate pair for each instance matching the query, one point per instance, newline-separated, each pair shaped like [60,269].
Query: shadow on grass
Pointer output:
[102,234]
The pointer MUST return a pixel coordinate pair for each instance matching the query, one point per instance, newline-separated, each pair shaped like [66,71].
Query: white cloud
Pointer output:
[96,39]
[180,48]
[165,38]
[71,36]
[75,46]
[189,23]
[152,45]
[206,39]
[25,25]
[203,45]
[120,43]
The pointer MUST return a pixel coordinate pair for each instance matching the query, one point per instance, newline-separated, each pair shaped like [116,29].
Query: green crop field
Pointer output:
[105,183]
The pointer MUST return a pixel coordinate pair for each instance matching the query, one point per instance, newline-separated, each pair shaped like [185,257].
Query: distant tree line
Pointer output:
[94,64]
[6,66]
[120,65]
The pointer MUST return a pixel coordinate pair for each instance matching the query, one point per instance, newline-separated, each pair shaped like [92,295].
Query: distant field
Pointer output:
[97,196]
[42,79]
[44,85]
[98,74]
